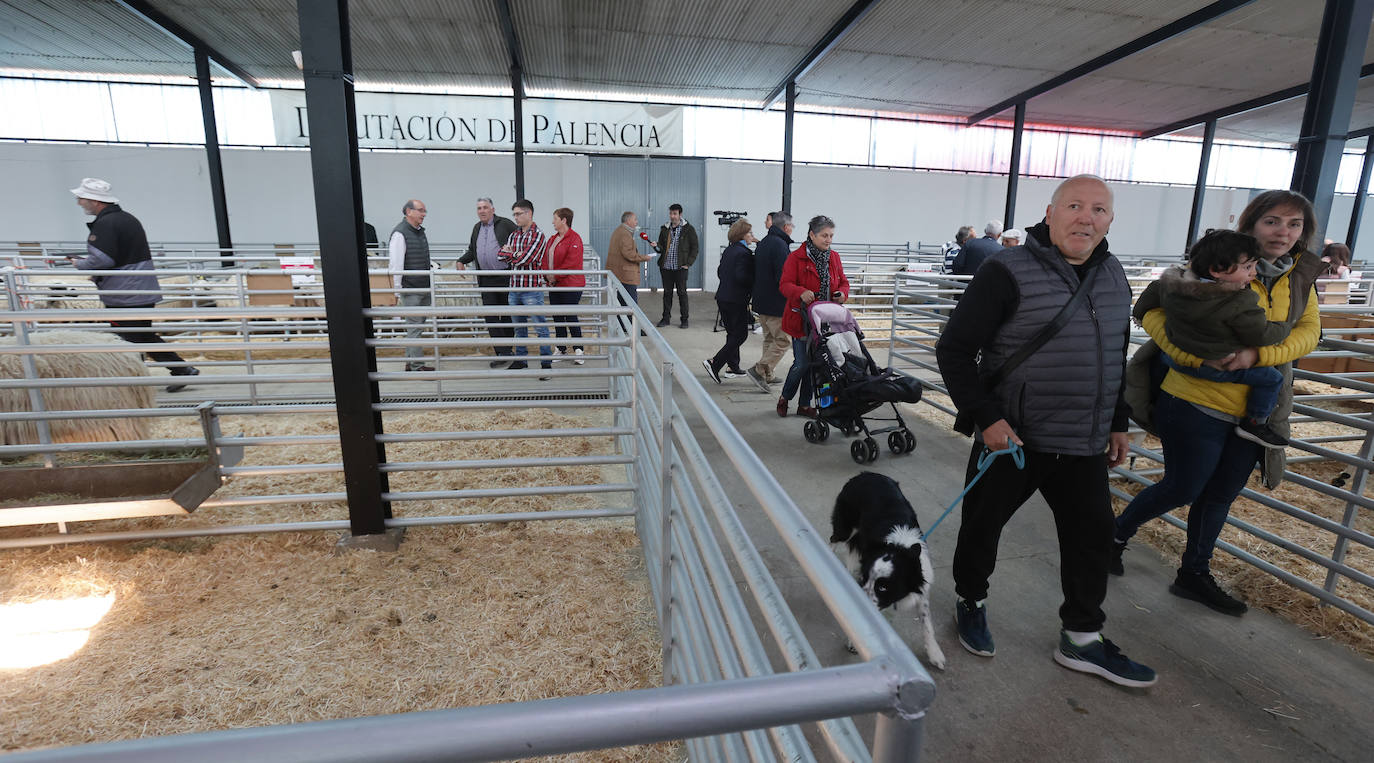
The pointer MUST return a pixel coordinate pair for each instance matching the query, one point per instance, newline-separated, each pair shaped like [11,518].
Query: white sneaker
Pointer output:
[557,355]
[579,360]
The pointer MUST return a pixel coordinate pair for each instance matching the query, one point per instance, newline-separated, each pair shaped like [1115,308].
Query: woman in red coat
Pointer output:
[565,253]
[810,273]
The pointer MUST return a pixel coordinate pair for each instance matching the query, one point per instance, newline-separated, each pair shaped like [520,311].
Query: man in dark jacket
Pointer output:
[488,235]
[769,303]
[976,250]
[1063,404]
[678,247]
[117,242]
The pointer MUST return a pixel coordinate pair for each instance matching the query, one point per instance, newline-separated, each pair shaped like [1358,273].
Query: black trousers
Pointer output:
[674,280]
[735,316]
[1075,487]
[145,337]
[499,299]
[573,330]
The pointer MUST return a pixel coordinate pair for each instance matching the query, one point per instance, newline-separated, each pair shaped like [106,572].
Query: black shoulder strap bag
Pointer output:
[963,422]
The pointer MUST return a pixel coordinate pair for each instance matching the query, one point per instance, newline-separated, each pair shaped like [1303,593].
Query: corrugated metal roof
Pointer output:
[949,57]
[87,37]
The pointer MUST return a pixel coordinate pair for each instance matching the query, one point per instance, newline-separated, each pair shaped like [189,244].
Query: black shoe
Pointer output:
[1258,431]
[1203,588]
[498,363]
[663,323]
[518,365]
[711,371]
[420,368]
[1115,566]
[183,371]
[683,325]
[1103,658]
[971,621]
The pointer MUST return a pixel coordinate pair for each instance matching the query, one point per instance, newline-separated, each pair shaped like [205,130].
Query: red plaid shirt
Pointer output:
[527,255]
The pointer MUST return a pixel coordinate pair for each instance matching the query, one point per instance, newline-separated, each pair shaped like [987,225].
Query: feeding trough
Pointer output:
[145,488]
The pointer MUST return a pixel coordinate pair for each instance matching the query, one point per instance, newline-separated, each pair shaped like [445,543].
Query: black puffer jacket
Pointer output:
[736,272]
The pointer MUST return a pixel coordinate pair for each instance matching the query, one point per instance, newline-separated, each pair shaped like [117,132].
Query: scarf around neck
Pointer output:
[822,261]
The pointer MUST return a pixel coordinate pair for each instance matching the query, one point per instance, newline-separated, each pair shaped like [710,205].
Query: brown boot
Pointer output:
[782,406]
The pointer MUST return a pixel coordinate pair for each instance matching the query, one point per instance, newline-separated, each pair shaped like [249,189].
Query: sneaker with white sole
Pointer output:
[1103,658]
[971,621]
[711,371]
[578,356]
[1260,432]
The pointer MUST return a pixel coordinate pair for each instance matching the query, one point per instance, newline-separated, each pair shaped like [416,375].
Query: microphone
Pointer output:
[645,236]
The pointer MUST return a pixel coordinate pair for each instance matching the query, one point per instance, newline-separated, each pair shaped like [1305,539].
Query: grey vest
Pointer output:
[1062,398]
[417,255]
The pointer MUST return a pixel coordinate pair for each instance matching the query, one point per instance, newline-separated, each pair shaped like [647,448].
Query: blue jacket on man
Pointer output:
[769,256]
[975,251]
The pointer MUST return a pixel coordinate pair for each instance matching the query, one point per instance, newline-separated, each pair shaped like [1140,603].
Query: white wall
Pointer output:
[270,193]
[271,199]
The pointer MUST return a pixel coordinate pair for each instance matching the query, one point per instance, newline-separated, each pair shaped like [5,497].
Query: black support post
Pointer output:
[1209,133]
[1326,119]
[788,115]
[1014,167]
[212,160]
[518,130]
[328,65]
[1361,194]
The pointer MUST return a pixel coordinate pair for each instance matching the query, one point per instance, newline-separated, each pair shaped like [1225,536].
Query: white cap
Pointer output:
[1015,233]
[96,190]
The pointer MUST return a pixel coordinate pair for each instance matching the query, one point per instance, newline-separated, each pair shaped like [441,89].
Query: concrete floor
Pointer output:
[1253,688]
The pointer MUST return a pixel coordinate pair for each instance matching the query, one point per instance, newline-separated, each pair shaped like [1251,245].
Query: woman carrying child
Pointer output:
[1206,463]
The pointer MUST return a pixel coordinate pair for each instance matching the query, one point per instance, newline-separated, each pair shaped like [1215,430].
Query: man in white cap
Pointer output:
[117,242]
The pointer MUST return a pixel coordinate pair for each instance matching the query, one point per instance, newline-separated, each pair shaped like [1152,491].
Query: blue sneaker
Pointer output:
[1103,658]
[971,621]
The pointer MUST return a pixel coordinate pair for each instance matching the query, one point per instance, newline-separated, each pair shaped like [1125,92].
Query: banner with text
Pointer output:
[393,120]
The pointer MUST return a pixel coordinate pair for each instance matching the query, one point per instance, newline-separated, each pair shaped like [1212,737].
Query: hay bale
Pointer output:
[77,397]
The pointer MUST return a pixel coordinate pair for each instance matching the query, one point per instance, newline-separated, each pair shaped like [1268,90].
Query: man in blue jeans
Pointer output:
[525,253]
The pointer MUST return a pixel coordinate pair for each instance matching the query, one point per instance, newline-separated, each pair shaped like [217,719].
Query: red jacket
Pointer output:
[568,256]
[799,274]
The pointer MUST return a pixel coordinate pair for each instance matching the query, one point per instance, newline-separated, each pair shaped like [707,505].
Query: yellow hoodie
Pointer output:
[1230,398]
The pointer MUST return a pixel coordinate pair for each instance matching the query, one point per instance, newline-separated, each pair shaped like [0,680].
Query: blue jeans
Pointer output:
[1205,467]
[1264,382]
[799,374]
[529,299]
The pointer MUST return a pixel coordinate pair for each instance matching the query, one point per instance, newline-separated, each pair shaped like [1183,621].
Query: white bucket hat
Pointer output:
[96,190]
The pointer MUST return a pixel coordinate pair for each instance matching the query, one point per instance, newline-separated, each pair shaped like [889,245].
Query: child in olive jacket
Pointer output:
[1209,311]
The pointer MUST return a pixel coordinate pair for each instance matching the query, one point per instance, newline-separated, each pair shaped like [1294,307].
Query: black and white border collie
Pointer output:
[874,530]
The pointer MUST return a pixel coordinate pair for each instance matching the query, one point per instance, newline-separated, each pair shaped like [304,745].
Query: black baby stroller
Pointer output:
[848,385]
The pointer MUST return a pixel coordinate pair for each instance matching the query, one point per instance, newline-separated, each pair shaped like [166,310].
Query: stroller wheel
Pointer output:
[910,440]
[812,433]
[858,452]
[871,447]
[896,443]
[822,431]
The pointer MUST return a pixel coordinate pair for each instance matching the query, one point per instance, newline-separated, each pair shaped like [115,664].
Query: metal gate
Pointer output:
[646,187]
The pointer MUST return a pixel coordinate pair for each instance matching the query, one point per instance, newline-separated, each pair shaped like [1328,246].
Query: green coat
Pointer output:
[1207,319]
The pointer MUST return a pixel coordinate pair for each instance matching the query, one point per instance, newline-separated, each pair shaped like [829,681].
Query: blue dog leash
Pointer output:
[985,460]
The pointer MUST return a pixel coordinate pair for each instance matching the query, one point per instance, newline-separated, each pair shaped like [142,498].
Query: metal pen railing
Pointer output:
[723,693]
[921,307]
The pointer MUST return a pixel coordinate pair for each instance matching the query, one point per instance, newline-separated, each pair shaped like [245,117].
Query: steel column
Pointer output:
[1326,119]
[788,116]
[1209,133]
[1361,194]
[1014,166]
[328,70]
[212,160]
[518,130]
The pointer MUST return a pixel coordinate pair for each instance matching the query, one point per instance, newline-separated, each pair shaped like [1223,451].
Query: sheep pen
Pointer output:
[239,631]
[76,397]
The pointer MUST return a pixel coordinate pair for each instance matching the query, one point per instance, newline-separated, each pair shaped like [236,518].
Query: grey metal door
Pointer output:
[646,187]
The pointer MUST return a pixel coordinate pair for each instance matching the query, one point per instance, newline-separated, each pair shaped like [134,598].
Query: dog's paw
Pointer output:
[936,659]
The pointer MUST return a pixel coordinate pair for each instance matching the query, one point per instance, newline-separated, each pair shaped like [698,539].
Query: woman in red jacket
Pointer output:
[810,273]
[565,253]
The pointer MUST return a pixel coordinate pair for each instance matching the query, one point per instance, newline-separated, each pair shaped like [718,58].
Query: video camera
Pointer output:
[728,218]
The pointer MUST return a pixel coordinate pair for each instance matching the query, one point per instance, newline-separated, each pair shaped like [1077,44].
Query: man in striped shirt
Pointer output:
[524,251]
